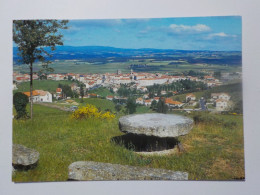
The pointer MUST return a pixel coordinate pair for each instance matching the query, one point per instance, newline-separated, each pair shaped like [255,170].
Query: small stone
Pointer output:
[24,158]
[160,125]
[89,170]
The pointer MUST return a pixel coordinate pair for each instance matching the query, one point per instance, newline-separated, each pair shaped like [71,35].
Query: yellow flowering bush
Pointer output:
[90,111]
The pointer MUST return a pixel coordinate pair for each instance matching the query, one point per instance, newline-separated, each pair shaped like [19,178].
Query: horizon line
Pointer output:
[144,48]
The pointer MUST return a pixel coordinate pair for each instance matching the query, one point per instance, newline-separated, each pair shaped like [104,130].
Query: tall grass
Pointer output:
[212,151]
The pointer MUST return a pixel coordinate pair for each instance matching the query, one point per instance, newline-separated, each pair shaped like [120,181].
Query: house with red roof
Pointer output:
[110,97]
[171,103]
[148,102]
[156,99]
[139,100]
[190,97]
[39,96]
[58,90]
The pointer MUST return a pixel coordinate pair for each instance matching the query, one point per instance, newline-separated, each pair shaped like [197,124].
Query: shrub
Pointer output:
[204,118]
[20,101]
[131,105]
[229,124]
[90,111]
[118,107]
[212,119]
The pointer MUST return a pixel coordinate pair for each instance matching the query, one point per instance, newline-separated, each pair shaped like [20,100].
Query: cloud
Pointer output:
[146,32]
[179,29]
[219,35]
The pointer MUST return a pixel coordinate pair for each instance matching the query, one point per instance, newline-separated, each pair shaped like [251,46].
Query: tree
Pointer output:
[217,74]
[238,107]
[70,78]
[151,95]
[35,39]
[192,73]
[131,105]
[123,91]
[159,92]
[81,92]
[162,107]
[153,105]
[20,101]
[118,107]
[66,90]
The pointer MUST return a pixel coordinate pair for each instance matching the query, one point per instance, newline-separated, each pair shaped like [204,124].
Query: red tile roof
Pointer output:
[170,101]
[34,93]
[58,90]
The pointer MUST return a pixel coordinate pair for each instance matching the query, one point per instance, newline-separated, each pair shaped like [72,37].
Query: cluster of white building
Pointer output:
[222,101]
[148,101]
[113,80]
[18,77]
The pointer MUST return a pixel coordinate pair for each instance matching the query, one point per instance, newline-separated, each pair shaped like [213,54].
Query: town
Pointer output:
[142,84]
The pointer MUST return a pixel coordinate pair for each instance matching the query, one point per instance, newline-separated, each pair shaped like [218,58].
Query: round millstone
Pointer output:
[160,125]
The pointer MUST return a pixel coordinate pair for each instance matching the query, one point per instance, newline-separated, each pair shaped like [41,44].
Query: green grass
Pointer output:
[47,85]
[213,152]
[143,109]
[102,91]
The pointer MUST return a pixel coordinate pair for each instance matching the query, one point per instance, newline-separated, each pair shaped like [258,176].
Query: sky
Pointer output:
[191,33]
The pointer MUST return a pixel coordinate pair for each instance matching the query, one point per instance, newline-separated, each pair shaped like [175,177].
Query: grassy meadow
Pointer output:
[214,151]
[47,85]
[68,66]
[102,91]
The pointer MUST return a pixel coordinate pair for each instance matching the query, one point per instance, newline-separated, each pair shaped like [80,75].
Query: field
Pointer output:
[214,151]
[71,66]
[47,85]
[102,91]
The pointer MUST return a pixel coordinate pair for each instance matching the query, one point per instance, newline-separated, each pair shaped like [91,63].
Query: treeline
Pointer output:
[67,92]
[179,86]
[126,91]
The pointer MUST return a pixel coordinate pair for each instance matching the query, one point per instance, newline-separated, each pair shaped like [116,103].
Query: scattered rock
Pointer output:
[88,170]
[160,125]
[24,158]
[180,147]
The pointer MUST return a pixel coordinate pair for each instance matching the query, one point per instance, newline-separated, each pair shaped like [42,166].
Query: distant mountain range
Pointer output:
[93,53]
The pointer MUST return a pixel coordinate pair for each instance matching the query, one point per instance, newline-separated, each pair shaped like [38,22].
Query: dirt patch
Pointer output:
[54,106]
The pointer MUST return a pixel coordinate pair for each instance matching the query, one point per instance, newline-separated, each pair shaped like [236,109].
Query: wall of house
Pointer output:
[46,98]
[221,106]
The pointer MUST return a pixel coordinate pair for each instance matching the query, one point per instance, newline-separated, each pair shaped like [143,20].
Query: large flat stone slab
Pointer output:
[24,158]
[160,125]
[89,170]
